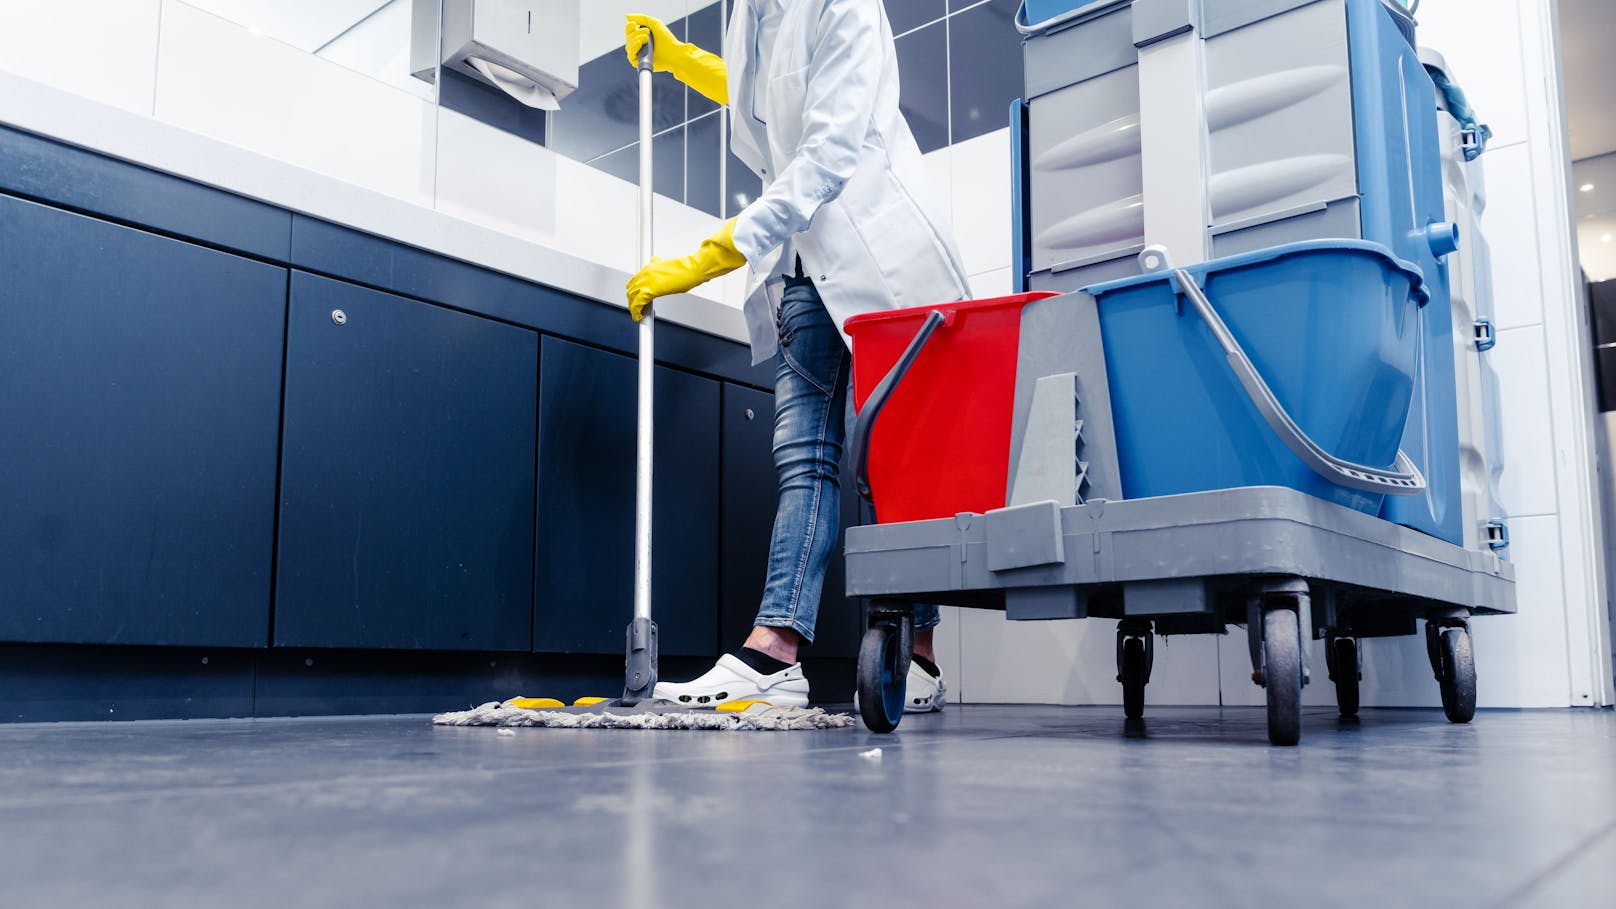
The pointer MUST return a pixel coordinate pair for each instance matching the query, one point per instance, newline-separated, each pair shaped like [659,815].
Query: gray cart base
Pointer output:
[1284,564]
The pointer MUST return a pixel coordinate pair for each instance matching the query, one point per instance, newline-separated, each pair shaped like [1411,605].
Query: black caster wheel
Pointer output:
[1344,671]
[1456,673]
[1135,652]
[1282,673]
[883,668]
[1133,678]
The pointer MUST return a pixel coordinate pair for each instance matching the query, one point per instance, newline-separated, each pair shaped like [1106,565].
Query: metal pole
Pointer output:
[641,669]
[642,517]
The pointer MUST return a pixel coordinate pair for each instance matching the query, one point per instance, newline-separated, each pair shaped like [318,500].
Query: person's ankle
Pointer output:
[923,645]
[927,664]
[780,643]
[761,663]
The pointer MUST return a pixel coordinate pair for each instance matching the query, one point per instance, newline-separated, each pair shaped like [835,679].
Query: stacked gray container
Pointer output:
[1282,166]
[1481,445]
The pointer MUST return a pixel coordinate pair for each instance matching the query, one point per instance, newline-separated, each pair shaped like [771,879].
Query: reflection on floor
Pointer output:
[982,806]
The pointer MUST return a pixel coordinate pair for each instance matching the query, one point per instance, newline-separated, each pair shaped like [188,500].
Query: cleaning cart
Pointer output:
[1229,390]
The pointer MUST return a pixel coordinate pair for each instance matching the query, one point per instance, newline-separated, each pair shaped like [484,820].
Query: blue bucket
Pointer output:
[1331,328]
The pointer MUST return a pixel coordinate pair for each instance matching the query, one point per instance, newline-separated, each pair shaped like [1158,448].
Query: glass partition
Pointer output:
[598,124]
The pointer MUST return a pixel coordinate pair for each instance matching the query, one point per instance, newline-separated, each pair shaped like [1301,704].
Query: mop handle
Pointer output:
[640,661]
[642,452]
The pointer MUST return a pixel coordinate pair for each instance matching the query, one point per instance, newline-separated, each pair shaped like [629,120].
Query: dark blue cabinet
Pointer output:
[407,483]
[750,490]
[139,397]
[585,593]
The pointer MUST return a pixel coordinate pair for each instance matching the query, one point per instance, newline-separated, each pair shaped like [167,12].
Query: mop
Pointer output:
[749,716]
[636,709]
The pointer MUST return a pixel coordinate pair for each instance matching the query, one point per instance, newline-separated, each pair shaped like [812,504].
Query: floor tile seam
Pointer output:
[1519,895]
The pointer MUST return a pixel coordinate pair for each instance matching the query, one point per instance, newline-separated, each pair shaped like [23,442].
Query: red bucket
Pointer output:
[941,445]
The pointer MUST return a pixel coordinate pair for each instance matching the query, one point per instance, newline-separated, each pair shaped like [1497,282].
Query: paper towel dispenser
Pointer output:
[527,48]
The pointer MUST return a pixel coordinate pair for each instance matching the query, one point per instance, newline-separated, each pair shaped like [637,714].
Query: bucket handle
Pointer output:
[865,423]
[1403,479]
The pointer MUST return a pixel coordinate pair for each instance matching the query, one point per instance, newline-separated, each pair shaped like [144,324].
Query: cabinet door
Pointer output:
[585,594]
[751,492]
[406,476]
[138,420]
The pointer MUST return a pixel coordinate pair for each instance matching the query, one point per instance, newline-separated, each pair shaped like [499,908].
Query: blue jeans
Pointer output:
[811,376]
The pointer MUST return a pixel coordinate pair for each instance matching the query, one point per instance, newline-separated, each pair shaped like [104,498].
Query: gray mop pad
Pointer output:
[759,718]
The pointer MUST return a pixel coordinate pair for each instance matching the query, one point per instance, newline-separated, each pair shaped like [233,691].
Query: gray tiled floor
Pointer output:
[984,806]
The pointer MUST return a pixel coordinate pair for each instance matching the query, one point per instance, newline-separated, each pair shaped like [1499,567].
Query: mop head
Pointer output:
[757,718]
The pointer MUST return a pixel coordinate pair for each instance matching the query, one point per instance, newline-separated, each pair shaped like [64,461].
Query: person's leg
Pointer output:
[926,621]
[810,395]
[810,400]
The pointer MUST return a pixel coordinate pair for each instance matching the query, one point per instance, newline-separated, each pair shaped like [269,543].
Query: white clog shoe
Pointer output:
[733,680]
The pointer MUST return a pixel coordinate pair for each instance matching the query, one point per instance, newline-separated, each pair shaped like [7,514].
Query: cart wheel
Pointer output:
[883,668]
[1282,673]
[1133,678]
[1458,679]
[1344,667]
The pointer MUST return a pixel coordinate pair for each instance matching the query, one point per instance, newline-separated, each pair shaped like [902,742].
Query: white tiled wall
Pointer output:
[592,206]
[379,46]
[495,178]
[602,29]
[949,641]
[940,168]
[1483,39]
[1511,214]
[1555,651]
[1528,485]
[981,200]
[94,48]
[973,178]
[999,282]
[1071,662]
[1523,660]
[216,78]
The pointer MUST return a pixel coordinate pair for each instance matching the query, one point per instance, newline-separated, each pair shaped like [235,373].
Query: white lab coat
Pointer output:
[845,187]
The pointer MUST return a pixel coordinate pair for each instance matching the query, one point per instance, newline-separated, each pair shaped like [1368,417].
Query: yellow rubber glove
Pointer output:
[716,257]
[689,64]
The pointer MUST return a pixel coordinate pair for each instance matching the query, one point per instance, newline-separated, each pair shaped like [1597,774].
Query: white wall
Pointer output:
[1555,652]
